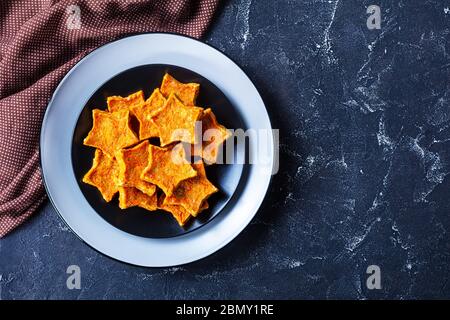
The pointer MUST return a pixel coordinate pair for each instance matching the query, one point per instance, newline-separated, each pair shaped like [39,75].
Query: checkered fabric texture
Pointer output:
[40,40]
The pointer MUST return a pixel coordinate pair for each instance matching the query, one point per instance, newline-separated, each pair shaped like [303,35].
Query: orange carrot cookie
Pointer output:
[214,136]
[131,164]
[177,122]
[131,197]
[110,131]
[191,193]
[144,112]
[167,167]
[103,175]
[186,92]
[116,103]
[178,212]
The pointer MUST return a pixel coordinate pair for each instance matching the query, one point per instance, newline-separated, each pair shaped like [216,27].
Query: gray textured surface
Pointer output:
[364,173]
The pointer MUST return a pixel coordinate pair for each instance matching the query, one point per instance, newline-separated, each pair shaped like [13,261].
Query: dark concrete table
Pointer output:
[364,120]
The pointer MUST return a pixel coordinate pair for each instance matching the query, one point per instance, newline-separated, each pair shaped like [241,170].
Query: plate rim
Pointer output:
[197,257]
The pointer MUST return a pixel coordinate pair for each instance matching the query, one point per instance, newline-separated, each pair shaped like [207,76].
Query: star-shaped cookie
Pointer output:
[167,167]
[214,136]
[186,92]
[131,163]
[131,197]
[110,131]
[178,212]
[116,103]
[191,193]
[144,112]
[177,122]
[103,175]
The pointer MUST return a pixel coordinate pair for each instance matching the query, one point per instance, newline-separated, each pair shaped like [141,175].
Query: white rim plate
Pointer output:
[56,145]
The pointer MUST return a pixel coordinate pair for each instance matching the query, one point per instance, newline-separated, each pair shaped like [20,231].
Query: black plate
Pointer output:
[138,221]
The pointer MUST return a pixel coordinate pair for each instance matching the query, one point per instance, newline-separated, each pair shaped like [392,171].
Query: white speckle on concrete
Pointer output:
[242,26]
[383,139]
[327,40]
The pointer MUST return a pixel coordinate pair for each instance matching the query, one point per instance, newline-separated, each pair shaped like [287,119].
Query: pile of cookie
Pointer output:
[155,176]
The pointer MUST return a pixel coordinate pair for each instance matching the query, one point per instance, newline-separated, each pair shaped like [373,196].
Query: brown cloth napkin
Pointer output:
[40,40]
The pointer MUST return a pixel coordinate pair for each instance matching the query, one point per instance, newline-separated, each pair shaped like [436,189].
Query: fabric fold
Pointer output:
[40,40]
